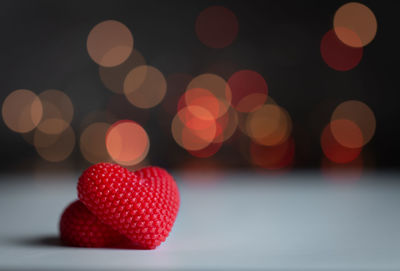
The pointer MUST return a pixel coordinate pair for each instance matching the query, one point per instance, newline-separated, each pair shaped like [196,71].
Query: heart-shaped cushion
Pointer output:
[140,205]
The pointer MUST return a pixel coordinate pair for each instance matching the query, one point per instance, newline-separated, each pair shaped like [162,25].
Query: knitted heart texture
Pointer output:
[121,208]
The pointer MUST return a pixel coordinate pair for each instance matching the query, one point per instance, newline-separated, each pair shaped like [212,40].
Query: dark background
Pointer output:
[43,46]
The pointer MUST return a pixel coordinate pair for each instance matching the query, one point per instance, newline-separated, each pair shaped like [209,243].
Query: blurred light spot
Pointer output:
[92,143]
[349,35]
[347,133]
[193,128]
[145,86]
[42,140]
[270,125]
[196,117]
[217,86]
[243,116]
[357,18]
[208,151]
[176,86]
[58,111]
[249,90]
[216,27]
[127,142]
[109,43]
[53,126]
[333,150]
[273,157]
[22,110]
[54,147]
[197,139]
[199,97]
[360,114]
[113,77]
[338,55]
[264,122]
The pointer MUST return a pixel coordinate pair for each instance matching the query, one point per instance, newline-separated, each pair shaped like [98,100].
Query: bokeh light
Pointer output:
[249,90]
[333,150]
[243,116]
[127,142]
[43,140]
[113,77]
[22,110]
[199,97]
[355,24]
[216,27]
[202,110]
[196,117]
[58,111]
[273,157]
[338,55]
[145,86]
[360,114]
[216,86]
[109,43]
[210,108]
[93,143]
[54,147]
[269,125]
[202,102]
[194,128]
[347,133]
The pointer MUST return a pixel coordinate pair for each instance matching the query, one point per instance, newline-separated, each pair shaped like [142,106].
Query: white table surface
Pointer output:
[239,221]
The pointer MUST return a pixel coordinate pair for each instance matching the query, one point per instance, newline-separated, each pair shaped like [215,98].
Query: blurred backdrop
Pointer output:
[205,85]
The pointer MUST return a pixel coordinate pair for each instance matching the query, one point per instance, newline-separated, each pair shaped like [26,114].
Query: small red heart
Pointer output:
[80,228]
[140,205]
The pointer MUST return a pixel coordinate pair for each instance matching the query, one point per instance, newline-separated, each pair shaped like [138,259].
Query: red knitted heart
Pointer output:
[80,228]
[140,205]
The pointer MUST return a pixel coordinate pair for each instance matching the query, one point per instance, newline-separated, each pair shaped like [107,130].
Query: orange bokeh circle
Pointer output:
[127,142]
[249,90]
[194,128]
[358,19]
[338,55]
[22,111]
[333,150]
[358,113]
[109,43]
